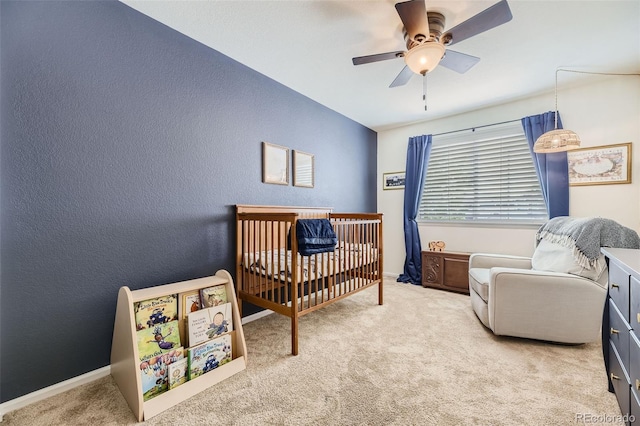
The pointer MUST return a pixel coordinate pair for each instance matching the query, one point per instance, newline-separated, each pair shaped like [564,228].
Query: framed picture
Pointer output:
[600,165]
[393,180]
[275,164]
[303,169]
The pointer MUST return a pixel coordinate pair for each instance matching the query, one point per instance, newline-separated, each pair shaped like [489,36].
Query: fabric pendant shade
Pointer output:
[557,140]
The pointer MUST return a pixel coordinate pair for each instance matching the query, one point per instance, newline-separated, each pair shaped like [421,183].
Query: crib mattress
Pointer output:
[278,263]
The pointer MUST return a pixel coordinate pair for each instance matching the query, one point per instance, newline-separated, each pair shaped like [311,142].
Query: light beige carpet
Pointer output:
[422,358]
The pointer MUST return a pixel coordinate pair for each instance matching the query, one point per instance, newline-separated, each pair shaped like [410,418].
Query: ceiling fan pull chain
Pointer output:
[424,90]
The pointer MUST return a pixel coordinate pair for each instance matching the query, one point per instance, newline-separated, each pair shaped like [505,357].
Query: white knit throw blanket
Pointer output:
[585,236]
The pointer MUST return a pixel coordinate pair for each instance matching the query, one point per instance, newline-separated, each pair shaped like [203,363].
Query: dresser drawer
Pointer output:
[634,361]
[634,314]
[619,380]
[635,408]
[619,333]
[619,288]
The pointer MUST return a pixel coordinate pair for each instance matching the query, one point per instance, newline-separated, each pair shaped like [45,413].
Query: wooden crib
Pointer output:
[272,274]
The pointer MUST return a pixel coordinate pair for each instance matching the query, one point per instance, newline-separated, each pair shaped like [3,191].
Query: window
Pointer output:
[485,175]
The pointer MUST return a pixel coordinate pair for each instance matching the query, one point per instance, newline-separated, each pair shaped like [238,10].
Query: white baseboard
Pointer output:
[390,275]
[66,385]
[256,316]
[52,390]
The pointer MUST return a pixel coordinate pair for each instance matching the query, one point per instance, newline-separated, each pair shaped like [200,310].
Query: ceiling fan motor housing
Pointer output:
[436,26]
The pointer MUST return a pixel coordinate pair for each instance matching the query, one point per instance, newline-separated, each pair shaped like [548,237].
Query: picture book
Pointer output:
[189,301]
[208,323]
[209,355]
[154,372]
[213,296]
[160,310]
[178,372]
[159,340]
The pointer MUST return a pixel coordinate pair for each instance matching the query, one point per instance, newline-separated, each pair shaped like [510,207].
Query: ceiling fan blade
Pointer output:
[378,57]
[414,17]
[402,78]
[458,62]
[495,15]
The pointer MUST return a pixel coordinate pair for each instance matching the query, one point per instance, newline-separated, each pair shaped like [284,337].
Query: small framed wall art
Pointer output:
[303,169]
[275,164]
[600,165]
[393,180]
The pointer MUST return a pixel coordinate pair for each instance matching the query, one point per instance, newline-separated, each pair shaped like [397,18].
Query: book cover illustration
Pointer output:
[189,302]
[213,296]
[158,340]
[159,310]
[178,372]
[208,323]
[209,355]
[154,373]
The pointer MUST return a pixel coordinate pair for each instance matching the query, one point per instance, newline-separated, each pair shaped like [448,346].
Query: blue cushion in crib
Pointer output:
[315,236]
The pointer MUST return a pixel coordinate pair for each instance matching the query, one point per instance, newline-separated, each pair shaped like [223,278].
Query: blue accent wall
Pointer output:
[124,147]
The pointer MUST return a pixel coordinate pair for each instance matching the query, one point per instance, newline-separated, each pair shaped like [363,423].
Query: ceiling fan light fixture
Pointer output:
[424,57]
[557,140]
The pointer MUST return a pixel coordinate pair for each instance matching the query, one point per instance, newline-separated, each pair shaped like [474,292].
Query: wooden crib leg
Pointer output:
[294,334]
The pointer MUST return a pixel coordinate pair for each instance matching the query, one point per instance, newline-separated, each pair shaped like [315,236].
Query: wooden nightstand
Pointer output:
[446,271]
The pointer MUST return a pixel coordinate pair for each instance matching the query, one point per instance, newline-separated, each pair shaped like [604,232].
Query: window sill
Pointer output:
[481,224]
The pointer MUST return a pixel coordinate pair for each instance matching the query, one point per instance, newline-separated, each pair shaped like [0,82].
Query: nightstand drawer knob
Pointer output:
[614,377]
[614,331]
[613,285]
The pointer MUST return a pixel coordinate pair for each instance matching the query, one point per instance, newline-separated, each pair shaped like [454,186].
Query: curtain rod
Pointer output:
[475,127]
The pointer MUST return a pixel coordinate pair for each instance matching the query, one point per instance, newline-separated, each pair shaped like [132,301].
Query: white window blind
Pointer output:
[485,175]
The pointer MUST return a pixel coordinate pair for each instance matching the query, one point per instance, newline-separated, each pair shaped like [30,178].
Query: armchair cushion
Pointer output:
[479,281]
[553,257]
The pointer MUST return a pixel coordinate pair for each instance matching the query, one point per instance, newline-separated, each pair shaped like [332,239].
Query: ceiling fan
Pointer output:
[423,34]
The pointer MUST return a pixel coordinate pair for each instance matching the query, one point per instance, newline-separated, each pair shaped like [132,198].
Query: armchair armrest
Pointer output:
[487,261]
[559,281]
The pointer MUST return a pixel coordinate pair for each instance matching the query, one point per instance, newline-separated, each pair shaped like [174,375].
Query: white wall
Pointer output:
[603,112]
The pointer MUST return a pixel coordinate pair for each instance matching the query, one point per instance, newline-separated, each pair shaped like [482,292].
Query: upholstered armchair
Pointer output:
[559,293]
[512,299]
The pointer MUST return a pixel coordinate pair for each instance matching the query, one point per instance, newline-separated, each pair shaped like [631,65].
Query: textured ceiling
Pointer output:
[308,46]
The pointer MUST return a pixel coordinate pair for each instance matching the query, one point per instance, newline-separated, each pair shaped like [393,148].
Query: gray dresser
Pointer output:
[621,330]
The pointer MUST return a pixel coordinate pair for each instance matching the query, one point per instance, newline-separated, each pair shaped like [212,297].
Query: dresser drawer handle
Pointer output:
[614,285]
[614,377]
[638,317]
[637,384]
[614,331]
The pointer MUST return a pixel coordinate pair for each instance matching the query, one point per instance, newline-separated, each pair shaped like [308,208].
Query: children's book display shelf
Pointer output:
[125,364]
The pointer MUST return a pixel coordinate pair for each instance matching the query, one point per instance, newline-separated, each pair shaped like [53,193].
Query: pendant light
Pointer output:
[556,140]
